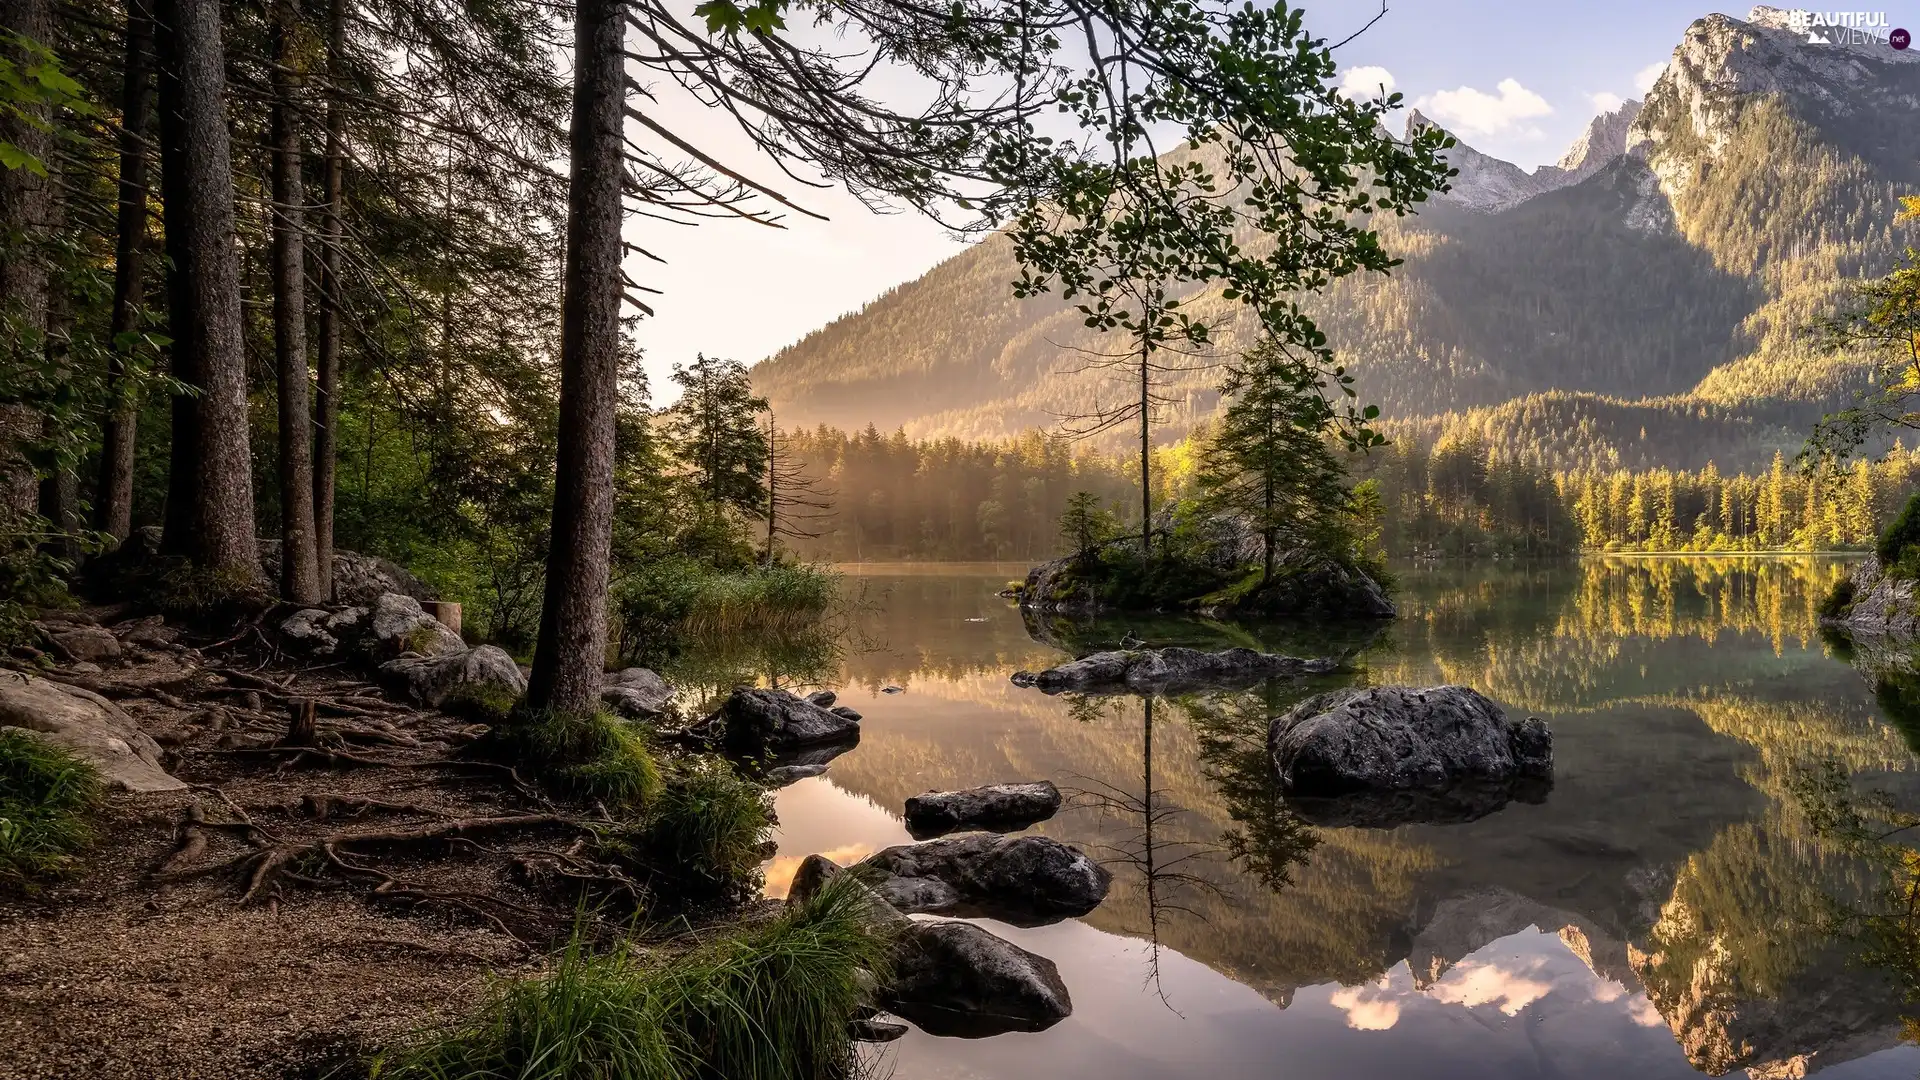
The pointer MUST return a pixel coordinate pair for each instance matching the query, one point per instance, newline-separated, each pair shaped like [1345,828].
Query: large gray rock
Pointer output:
[1058,586]
[83,644]
[957,980]
[1168,670]
[400,625]
[1404,739]
[952,978]
[1880,609]
[358,580]
[430,680]
[756,721]
[636,693]
[994,807]
[318,632]
[1023,880]
[88,725]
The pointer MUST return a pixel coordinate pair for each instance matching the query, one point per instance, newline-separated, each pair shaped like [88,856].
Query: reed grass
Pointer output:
[596,756]
[46,794]
[768,1002]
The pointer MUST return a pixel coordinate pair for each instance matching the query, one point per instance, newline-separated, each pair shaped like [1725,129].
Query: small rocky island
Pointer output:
[1213,565]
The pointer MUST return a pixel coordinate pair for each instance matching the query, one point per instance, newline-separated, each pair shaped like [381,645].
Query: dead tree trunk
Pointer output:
[570,658]
[210,493]
[26,205]
[299,570]
[113,502]
[326,395]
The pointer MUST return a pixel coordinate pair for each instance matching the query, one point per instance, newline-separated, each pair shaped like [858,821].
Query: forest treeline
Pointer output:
[889,497]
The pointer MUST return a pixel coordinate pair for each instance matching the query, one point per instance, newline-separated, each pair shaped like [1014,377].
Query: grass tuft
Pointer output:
[597,756]
[45,796]
[774,598]
[703,835]
[771,1002]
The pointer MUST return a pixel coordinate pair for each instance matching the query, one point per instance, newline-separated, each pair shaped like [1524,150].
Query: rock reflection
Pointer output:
[1676,880]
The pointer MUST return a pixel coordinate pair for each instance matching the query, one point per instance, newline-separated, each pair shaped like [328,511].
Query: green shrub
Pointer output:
[1839,601]
[597,756]
[704,833]
[771,1002]
[1903,534]
[673,598]
[45,796]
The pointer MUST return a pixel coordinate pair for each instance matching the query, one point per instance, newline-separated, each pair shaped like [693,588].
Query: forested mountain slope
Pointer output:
[1641,303]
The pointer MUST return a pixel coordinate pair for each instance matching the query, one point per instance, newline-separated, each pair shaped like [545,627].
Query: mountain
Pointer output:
[1639,303]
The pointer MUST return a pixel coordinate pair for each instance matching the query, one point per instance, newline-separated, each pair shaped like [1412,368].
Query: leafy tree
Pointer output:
[716,434]
[1268,461]
[1884,323]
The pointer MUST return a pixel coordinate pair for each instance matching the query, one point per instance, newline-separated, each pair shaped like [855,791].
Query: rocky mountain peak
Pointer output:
[1604,140]
[1724,63]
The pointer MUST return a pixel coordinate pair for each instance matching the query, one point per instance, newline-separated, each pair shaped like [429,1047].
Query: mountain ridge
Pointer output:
[1663,269]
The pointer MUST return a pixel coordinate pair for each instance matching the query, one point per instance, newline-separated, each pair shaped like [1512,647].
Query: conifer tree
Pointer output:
[716,434]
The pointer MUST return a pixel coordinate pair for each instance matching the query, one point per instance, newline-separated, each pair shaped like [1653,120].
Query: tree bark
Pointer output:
[210,493]
[326,399]
[570,658]
[299,565]
[1146,453]
[26,207]
[113,502]
[60,487]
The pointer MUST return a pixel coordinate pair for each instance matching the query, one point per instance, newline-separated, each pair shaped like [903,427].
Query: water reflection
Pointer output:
[1671,908]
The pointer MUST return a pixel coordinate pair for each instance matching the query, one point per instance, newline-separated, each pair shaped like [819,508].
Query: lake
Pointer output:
[1658,914]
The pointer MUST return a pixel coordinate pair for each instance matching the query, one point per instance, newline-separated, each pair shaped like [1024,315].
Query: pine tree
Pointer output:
[1268,462]
[716,435]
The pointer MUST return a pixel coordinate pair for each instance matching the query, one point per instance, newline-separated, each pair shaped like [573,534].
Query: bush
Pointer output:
[597,756]
[45,795]
[704,833]
[1903,534]
[770,1003]
[1839,601]
[676,597]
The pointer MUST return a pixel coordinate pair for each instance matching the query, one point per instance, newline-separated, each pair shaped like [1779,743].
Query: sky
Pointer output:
[1515,79]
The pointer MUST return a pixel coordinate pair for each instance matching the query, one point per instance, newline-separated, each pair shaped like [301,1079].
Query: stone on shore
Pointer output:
[88,725]
[637,693]
[757,721]
[431,680]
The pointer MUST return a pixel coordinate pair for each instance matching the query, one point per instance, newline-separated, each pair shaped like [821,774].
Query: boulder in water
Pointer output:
[758,721]
[1400,738]
[1169,670]
[994,807]
[957,980]
[1023,880]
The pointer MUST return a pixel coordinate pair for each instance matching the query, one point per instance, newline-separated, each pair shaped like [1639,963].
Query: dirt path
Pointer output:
[297,905]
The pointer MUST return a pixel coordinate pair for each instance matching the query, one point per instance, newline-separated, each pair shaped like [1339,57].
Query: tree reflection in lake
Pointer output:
[1671,885]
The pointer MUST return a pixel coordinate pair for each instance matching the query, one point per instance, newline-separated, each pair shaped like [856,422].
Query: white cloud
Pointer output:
[1467,111]
[1605,101]
[1368,1008]
[1474,983]
[1367,82]
[1644,79]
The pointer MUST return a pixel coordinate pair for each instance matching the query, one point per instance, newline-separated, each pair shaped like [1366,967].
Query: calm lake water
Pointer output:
[1657,915]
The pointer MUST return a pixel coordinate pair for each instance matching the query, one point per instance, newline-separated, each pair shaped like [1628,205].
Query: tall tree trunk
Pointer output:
[210,493]
[1146,453]
[326,399]
[113,502]
[569,660]
[59,488]
[299,565]
[26,208]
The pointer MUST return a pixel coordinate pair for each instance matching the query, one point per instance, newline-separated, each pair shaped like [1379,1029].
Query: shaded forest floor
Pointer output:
[296,907]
